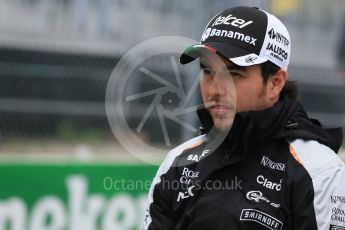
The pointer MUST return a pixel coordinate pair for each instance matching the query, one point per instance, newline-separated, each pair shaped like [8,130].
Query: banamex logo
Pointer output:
[206,34]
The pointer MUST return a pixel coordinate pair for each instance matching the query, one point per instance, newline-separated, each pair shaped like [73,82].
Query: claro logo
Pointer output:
[268,184]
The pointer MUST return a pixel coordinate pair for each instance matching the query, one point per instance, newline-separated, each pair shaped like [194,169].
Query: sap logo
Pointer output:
[268,184]
[196,157]
[250,59]
[261,218]
[187,174]
[278,37]
[206,34]
[336,199]
[265,161]
[257,196]
[231,20]
[186,194]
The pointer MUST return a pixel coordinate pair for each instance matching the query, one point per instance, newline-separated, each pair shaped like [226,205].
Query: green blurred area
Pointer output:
[73,195]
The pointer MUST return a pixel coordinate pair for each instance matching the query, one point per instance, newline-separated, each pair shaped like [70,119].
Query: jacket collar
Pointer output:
[285,119]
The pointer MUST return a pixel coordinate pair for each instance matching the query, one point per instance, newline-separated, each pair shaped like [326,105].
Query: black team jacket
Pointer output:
[276,169]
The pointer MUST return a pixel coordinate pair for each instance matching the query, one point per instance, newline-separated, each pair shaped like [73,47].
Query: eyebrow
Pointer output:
[202,66]
[229,66]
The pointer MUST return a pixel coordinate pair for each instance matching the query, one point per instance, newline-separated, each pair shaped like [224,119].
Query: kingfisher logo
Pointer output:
[278,37]
[336,199]
[267,162]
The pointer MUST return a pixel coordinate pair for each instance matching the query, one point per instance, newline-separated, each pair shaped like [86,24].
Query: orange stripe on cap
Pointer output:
[294,154]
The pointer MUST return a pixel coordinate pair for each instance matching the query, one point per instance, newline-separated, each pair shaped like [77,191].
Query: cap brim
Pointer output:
[235,54]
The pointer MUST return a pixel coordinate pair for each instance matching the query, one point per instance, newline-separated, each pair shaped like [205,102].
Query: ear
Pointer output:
[276,84]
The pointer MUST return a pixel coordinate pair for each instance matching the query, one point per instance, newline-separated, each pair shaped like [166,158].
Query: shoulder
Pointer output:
[179,150]
[166,165]
[315,157]
[327,172]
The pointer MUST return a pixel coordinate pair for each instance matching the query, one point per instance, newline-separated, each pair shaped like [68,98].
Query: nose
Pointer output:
[217,85]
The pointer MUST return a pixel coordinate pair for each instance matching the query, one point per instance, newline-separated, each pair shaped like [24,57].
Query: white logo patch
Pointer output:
[187,175]
[265,161]
[268,184]
[196,157]
[186,194]
[206,34]
[257,196]
[231,20]
[250,59]
[261,218]
[229,34]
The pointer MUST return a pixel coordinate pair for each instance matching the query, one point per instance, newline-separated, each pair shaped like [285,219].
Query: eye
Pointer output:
[236,73]
[207,71]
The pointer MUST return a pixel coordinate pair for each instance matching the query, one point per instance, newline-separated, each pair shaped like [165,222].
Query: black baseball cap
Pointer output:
[246,36]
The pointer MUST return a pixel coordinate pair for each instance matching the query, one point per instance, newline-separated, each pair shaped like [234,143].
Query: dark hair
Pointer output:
[268,69]
[290,89]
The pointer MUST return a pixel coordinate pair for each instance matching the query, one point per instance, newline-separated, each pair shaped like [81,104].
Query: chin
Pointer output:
[223,125]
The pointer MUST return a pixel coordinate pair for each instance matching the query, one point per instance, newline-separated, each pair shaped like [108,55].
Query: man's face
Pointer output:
[227,88]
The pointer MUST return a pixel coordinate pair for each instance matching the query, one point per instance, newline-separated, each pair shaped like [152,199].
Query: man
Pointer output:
[261,162]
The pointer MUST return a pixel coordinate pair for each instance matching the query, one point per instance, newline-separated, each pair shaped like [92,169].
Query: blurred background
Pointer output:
[56,59]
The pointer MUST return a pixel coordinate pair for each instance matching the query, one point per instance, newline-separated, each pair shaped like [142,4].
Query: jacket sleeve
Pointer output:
[159,214]
[300,197]
[324,192]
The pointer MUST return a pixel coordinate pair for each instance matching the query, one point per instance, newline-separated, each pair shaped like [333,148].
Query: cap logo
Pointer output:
[277,52]
[228,34]
[250,59]
[206,34]
[278,37]
[231,20]
[246,36]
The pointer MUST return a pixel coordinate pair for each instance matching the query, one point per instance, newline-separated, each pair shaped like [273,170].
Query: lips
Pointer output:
[219,109]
